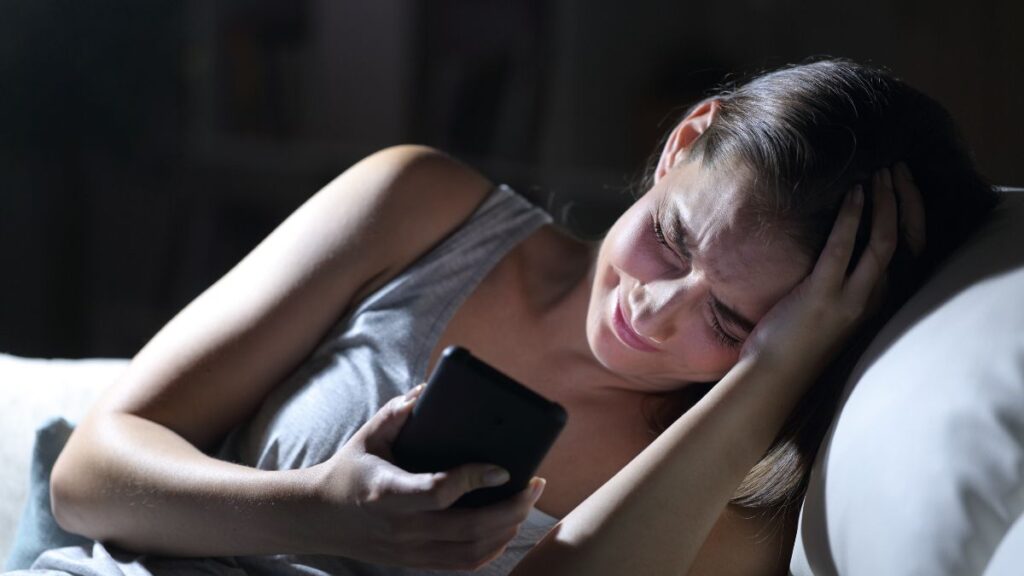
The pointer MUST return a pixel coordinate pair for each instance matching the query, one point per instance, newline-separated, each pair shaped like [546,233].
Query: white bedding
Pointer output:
[32,390]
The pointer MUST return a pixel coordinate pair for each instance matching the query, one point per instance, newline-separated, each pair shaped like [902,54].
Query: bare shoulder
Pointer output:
[428,195]
[748,542]
[210,366]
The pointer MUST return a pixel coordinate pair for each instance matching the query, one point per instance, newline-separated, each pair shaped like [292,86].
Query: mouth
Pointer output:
[626,334]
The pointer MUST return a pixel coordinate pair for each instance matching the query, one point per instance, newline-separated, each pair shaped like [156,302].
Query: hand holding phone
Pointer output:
[366,507]
[470,412]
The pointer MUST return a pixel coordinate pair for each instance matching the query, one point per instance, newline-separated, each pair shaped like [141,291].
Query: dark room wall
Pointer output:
[146,147]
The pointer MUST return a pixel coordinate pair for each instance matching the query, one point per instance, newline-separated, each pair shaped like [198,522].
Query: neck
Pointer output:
[563,319]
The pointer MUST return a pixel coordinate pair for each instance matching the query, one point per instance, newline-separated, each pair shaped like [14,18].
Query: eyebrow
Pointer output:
[680,236]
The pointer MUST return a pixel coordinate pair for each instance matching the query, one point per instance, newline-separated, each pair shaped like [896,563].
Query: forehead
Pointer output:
[746,262]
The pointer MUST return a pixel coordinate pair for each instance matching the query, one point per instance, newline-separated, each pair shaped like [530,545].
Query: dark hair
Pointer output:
[808,133]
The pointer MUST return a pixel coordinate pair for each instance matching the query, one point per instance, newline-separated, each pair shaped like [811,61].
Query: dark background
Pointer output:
[145,147]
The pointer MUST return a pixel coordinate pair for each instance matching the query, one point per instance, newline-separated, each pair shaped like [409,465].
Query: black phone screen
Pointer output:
[470,412]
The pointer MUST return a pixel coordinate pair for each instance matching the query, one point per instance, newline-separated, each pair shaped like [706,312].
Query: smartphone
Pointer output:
[470,412]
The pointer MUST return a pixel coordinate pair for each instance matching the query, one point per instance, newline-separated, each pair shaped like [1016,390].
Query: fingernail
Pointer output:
[410,397]
[538,487]
[495,476]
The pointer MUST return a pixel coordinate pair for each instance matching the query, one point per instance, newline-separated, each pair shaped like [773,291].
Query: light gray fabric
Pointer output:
[379,350]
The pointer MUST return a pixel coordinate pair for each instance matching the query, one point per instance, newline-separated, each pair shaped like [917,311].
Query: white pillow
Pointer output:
[1009,557]
[31,391]
[922,471]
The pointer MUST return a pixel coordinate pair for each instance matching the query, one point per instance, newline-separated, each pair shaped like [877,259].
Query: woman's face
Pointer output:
[691,306]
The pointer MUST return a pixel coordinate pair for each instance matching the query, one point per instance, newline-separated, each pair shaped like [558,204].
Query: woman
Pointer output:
[247,431]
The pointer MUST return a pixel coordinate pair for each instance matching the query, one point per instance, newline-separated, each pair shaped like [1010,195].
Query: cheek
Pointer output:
[720,358]
[699,346]
[699,352]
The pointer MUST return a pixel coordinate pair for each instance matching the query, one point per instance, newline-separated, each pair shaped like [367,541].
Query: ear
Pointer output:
[695,123]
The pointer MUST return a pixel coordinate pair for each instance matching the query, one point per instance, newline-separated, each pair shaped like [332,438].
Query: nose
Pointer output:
[658,307]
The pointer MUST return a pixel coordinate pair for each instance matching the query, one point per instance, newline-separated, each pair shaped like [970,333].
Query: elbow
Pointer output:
[75,491]
[65,495]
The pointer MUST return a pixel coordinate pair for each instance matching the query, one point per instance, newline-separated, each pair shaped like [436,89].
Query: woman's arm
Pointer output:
[655,514]
[135,473]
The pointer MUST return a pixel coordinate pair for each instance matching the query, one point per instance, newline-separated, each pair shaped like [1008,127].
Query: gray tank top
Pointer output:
[379,350]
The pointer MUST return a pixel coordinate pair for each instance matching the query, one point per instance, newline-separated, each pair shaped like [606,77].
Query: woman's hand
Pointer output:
[805,330]
[371,510]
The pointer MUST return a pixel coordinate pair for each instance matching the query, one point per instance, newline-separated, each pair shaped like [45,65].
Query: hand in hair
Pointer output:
[911,208]
[805,330]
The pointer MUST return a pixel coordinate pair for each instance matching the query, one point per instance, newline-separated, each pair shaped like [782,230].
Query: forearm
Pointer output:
[134,483]
[655,514]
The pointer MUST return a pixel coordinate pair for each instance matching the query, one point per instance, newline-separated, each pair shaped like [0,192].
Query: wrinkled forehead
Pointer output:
[734,246]
[715,204]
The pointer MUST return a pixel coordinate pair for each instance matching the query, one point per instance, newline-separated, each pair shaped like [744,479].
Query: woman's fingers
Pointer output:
[438,490]
[380,431]
[881,244]
[911,208]
[463,524]
[466,538]
[830,269]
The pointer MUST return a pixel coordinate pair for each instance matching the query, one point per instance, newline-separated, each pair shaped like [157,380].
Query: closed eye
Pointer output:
[659,234]
[721,335]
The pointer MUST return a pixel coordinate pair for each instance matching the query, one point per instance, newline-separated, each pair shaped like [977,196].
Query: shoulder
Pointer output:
[412,197]
[411,177]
